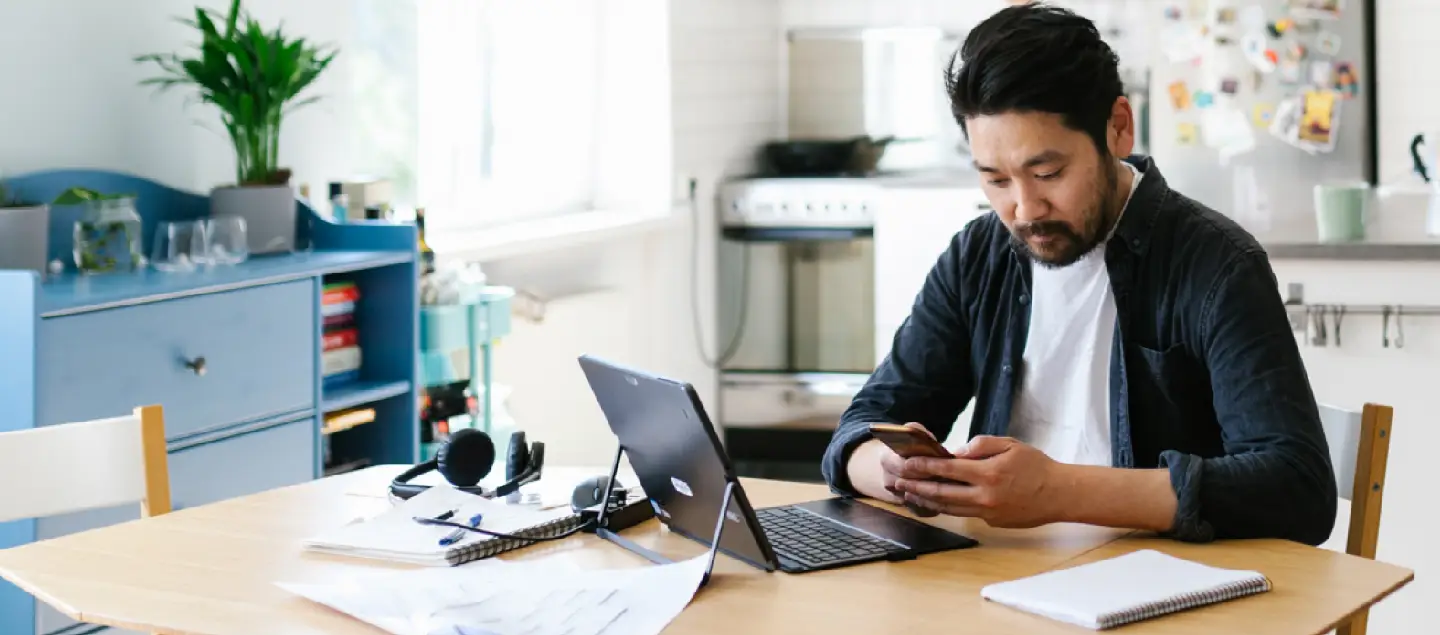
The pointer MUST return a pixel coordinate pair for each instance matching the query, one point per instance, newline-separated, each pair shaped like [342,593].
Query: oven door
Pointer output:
[777,425]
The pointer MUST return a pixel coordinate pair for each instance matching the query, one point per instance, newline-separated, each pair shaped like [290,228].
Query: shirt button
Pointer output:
[1135,242]
[1005,369]
[1024,298]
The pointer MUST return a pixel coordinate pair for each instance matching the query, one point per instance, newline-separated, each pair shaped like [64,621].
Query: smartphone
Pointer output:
[908,442]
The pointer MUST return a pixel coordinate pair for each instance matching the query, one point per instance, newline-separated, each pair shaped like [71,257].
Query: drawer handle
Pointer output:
[196,365]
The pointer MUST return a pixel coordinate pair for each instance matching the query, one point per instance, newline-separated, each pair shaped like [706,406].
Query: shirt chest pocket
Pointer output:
[1170,396]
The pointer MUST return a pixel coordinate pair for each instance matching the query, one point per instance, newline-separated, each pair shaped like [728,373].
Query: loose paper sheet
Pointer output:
[497,597]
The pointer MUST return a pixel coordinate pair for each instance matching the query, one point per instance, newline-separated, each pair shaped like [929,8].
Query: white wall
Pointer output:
[73,99]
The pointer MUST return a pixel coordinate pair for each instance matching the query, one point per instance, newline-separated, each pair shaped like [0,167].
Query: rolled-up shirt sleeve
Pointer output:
[926,377]
[1275,478]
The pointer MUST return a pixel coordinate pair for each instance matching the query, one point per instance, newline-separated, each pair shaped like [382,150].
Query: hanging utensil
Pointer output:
[1385,328]
[1399,328]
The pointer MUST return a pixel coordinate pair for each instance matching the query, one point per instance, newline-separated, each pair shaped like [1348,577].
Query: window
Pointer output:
[512,111]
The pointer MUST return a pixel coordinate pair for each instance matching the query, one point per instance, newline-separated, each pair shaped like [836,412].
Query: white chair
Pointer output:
[1359,447]
[87,465]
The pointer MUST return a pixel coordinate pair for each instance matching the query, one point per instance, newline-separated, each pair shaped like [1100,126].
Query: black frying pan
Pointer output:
[821,157]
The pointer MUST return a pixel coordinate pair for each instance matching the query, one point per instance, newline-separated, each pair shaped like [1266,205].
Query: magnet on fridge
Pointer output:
[1262,114]
[1203,99]
[1229,85]
[1179,96]
[1347,82]
[1186,133]
[1295,52]
[1328,43]
[1316,9]
[1226,15]
[1255,50]
[1280,27]
[1173,12]
[1321,73]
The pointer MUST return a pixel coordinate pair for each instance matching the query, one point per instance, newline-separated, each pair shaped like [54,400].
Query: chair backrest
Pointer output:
[1359,448]
[86,465]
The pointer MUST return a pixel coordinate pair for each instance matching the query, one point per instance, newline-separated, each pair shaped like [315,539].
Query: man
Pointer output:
[1126,348]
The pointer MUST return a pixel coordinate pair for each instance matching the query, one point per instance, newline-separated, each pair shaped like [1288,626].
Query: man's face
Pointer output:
[1050,186]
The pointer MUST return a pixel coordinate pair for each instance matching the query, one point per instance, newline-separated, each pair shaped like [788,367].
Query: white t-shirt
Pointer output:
[1063,407]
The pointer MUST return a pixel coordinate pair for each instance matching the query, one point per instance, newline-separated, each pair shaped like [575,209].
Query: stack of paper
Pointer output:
[496,597]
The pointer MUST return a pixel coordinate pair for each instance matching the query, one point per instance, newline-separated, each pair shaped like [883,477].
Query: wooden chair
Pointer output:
[1359,447]
[87,465]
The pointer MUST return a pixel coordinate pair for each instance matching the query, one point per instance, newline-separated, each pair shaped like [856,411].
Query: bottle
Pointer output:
[427,255]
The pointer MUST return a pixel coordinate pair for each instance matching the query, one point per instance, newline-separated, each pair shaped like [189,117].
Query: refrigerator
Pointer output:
[1252,103]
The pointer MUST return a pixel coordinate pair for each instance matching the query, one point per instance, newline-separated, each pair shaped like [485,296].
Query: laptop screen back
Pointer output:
[673,449]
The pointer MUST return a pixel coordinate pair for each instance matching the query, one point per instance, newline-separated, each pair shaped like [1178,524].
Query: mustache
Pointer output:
[1046,228]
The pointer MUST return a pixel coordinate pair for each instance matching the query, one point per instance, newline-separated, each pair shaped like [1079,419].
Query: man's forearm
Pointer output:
[865,474]
[1117,497]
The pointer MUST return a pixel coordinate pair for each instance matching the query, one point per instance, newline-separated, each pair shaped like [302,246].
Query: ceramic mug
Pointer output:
[1341,211]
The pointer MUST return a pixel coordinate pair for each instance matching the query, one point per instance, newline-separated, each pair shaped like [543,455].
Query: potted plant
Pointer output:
[254,77]
[24,232]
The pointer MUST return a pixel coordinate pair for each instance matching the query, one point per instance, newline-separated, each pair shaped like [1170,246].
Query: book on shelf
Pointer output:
[343,337]
[340,355]
[340,365]
[346,419]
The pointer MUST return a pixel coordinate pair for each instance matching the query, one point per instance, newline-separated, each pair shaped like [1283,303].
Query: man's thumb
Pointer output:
[983,446]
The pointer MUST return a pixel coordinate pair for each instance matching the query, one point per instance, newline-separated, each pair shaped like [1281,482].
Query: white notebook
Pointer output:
[395,535]
[1129,588]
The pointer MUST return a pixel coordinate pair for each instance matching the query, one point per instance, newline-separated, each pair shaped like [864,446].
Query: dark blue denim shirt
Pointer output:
[1206,378]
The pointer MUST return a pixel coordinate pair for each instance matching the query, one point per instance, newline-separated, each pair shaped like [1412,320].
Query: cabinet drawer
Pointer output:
[252,462]
[258,347]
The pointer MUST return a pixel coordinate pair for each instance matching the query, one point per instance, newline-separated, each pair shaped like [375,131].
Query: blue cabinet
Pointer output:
[232,353]
[212,360]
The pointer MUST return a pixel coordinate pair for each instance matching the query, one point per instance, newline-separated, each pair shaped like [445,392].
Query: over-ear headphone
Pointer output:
[466,457]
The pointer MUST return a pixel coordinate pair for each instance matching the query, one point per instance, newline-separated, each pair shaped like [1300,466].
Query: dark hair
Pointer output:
[1037,58]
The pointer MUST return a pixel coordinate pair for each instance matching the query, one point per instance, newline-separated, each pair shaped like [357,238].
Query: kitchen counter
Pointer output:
[1372,251]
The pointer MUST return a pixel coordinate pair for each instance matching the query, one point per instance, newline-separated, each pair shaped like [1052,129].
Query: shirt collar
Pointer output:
[1135,224]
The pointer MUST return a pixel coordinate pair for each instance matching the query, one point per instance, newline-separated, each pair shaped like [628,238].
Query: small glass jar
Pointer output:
[107,237]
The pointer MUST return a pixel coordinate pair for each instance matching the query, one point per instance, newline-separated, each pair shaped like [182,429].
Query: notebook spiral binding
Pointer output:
[1185,601]
[494,545]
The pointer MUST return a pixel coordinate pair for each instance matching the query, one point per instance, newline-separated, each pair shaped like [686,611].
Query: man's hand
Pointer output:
[874,470]
[998,479]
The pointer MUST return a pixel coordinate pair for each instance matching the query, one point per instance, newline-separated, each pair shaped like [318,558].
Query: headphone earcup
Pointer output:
[517,457]
[466,457]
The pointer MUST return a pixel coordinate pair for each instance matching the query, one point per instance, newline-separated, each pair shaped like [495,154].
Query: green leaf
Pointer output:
[77,195]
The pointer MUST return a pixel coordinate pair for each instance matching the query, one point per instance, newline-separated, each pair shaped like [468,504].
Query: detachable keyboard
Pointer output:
[814,541]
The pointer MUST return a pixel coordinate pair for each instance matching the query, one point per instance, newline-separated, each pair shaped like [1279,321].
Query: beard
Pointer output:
[1069,244]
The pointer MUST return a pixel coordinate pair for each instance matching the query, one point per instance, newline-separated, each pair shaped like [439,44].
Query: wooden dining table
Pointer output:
[213,570]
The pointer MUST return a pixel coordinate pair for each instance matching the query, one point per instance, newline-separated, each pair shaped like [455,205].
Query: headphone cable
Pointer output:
[446,523]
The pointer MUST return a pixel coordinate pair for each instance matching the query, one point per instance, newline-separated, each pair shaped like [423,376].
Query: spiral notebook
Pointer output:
[395,536]
[1129,588]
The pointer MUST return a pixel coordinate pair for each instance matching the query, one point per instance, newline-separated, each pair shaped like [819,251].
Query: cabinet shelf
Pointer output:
[361,392]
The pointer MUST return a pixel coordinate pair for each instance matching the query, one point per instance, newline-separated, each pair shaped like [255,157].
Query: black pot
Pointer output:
[820,157]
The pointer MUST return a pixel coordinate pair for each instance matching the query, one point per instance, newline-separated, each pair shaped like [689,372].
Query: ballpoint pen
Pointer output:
[455,536]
